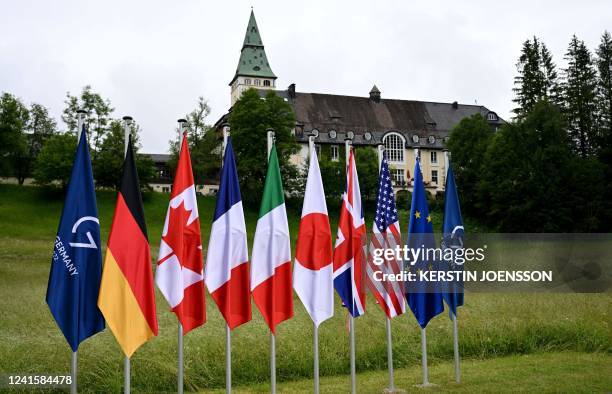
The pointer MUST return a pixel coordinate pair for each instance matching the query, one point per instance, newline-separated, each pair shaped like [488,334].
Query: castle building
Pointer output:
[402,127]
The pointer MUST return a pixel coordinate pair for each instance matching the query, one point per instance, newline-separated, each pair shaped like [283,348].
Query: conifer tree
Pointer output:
[604,90]
[537,77]
[579,94]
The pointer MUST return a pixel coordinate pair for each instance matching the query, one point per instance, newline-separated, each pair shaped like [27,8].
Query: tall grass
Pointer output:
[490,325]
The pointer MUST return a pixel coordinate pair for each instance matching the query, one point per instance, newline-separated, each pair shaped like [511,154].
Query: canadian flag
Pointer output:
[179,274]
[313,280]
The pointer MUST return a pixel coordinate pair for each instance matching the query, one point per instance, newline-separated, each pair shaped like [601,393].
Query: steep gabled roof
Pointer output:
[253,61]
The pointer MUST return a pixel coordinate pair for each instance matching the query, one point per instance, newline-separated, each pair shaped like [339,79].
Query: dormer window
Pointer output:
[492,116]
[266,82]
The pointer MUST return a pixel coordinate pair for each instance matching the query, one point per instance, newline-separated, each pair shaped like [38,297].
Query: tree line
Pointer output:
[550,168]
[32,145]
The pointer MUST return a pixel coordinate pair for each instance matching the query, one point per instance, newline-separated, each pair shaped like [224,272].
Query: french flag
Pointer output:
[227,262]
[349,259]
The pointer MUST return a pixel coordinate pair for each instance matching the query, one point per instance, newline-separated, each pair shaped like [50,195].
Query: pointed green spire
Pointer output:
[252,36]
[253,60]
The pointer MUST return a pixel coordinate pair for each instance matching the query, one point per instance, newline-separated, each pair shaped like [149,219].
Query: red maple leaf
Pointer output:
[184,239]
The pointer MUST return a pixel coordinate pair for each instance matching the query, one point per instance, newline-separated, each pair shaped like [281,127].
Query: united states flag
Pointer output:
[386,234]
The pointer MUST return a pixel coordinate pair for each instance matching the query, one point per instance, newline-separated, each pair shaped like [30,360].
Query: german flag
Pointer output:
[127,297]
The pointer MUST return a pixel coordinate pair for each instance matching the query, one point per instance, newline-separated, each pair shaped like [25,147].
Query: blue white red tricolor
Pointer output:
[349,258]
[227,261]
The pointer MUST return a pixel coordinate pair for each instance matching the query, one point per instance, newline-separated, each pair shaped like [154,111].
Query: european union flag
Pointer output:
[453,232]
[424,299]
[76,265]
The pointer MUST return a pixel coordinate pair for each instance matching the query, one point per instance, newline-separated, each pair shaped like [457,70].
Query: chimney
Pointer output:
[291,91]
[375,94]
[455,105]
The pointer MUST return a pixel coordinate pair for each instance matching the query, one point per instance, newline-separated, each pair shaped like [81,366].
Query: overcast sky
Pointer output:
[153,59]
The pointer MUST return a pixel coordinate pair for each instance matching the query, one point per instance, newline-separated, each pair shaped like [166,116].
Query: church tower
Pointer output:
[253,69]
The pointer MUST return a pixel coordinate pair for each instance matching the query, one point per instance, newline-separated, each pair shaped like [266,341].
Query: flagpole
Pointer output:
[423,332]
[347,151]
[228,331]
[390,356]
[315,331]
[127,121]
[73,373]
[228,359]
[424,358]
[456,348]
[352,342]
[391,389]
[74,357]
[316,357]
[270,134]
[80,122]
[181,366]
[455,326]
[226,133]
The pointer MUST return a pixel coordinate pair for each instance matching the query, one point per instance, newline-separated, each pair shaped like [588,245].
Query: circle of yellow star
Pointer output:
[429,218]
[417,214]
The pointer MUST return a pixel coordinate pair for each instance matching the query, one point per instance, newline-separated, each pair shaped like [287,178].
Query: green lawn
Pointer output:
[566,372]
[491,325]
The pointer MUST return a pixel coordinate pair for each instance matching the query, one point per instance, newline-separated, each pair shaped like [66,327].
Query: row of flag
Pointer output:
[82,296]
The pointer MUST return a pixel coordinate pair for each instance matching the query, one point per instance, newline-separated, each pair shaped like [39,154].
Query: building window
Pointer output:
[266,82]
[491,116]
[399,178]
[334,152]
[247,81]
[434,157]
[394,147]
[434,177]
[165,189]
[257,82]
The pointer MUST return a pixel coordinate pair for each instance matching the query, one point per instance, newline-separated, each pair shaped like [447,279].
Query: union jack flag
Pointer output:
[349,258]
[386,235]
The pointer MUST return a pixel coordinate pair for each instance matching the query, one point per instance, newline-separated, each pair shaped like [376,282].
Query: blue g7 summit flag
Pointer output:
[453,232]
[76,265]
[424,299]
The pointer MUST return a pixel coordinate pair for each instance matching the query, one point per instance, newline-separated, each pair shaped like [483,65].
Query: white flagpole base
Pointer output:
[352,343]
[272,363]
[73,373]
[456,349]
[228,360]
[181,368]
[316,357]
[126,375]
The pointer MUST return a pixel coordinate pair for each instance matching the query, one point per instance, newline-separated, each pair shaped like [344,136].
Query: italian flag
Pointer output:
[271,257]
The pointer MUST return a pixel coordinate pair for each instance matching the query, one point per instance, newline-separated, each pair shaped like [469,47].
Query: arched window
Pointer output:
[394,147]
[266,82]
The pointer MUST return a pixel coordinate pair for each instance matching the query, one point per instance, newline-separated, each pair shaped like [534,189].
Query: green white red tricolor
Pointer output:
[271,257]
